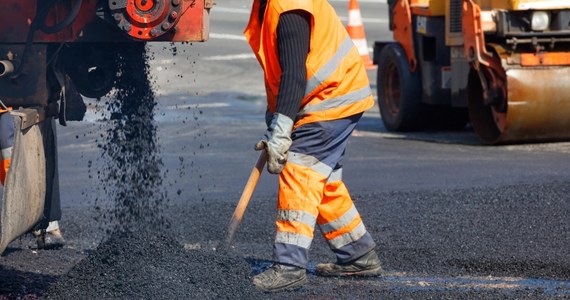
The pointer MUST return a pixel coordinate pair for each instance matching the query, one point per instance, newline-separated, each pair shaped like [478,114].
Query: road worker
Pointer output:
[317,90]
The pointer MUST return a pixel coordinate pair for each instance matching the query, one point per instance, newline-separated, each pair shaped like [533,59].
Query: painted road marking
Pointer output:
[227,36]
[366,20]
[560,147]
[231,10]
[163,61]
[388,135]
[548,286]
[230,57]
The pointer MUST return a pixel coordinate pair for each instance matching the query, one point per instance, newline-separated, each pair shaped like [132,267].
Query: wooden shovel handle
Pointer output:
[244,200]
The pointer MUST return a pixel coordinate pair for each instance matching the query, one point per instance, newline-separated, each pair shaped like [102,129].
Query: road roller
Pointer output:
[502,66]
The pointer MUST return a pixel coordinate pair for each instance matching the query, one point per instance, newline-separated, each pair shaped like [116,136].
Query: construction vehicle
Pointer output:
[503,65]
[49,47]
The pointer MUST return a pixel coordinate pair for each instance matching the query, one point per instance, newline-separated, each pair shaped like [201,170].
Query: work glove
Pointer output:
[277,141]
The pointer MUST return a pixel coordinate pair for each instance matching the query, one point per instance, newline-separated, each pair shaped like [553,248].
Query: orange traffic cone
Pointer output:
[355,30]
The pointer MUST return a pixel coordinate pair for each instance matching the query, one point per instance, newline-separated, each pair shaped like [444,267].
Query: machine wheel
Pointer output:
[399,90]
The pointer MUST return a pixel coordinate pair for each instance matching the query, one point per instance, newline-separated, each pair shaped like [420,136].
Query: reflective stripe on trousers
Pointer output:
[311,192]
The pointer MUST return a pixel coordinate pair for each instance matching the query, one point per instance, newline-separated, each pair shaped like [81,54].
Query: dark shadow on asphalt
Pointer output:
[464,137]
[10,250]
[258,265]
[16,284]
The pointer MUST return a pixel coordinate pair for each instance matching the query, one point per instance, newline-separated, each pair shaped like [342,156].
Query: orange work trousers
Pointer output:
[311,192]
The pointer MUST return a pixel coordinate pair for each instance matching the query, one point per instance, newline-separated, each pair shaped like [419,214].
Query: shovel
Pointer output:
[243,201]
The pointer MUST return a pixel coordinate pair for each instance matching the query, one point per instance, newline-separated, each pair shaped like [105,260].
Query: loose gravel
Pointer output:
[153,265]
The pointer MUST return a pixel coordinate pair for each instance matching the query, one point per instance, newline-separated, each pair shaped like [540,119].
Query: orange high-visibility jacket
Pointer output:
[337,84]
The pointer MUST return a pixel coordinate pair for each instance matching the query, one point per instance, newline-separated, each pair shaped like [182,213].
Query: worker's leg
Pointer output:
[52,209]
[48,233]
[301,185]
[340,222]
[300,192]
[344,230]
[6,143]
[317,148]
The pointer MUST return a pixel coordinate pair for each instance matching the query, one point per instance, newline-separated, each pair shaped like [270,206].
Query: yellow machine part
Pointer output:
[433,7]
[440,7]
[23,194]
[522,4]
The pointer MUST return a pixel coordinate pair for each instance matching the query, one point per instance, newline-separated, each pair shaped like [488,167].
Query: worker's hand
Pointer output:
[277,141]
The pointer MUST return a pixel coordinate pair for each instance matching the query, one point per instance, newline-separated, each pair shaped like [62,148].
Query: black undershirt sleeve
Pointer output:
[293,37]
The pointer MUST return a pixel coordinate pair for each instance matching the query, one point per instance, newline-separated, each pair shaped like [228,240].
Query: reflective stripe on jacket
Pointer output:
[337,84]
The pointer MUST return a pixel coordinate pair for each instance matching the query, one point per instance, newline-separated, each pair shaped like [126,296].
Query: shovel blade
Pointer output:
[23,194]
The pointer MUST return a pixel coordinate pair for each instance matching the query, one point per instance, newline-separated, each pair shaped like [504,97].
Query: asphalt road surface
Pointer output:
[452,219]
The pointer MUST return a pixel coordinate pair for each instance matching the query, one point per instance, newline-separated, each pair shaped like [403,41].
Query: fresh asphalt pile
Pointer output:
[153,265]
[141,258]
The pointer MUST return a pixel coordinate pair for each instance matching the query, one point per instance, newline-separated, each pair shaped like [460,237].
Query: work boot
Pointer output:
[50,238]
[366,265]
[280,277]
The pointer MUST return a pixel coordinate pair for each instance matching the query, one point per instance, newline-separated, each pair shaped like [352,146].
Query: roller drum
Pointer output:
[538,108]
